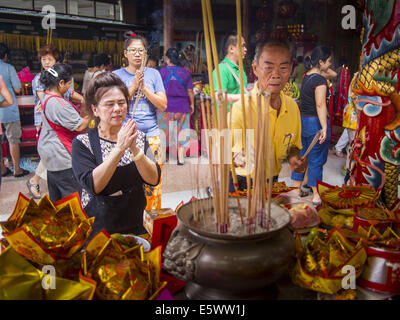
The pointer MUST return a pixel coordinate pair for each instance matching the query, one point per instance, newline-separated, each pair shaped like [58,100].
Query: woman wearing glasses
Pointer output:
[112,161]
[147,86]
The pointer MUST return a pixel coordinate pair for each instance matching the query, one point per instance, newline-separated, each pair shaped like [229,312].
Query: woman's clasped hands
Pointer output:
[127,136]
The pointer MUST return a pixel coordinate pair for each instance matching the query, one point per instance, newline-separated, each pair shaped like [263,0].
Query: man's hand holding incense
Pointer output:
[297,163]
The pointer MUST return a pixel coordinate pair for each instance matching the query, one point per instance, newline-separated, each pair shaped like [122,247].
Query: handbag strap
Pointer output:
[94,140]
[234,75]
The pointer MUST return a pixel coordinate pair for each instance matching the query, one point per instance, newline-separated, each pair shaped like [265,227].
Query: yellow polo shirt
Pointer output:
[280,127]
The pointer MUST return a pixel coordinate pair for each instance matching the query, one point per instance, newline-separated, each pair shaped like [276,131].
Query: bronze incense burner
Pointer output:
[226,266]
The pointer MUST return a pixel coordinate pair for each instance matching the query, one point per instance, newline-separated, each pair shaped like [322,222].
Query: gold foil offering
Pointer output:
[336,217]
[320,261]
[120,269]
[346,197]
[20,280]
[388,239]
[47,232]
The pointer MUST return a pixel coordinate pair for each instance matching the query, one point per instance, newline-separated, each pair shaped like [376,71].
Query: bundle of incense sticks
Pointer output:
[258,208]
[139,91]
[216,117]
[197,59]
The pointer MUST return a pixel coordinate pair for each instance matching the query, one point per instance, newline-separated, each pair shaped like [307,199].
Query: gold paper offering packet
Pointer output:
[319,264]
[20,280]
[46,232]
[388,239]
[120,273]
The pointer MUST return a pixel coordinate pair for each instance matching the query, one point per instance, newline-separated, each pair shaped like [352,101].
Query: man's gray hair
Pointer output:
[271,43]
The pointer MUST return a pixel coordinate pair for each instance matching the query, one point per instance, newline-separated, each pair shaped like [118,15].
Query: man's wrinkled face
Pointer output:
[273,68]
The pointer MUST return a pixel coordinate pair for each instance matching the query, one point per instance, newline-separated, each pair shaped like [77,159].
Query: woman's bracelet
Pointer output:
[139,156]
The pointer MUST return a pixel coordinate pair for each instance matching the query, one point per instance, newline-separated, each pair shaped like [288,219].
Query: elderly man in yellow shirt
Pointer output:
[272,65]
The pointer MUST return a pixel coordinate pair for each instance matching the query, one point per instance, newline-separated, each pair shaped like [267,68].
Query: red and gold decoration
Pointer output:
[45,232]
[347,197]
[342,96]
[339,203]
[21,280]
[159,223]
[44,235]
[379,218]
[375,159]
[120,270]
[382,269]
[321,259]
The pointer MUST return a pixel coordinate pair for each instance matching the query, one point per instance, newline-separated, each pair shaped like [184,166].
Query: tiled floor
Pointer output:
[178,183]
[177,192]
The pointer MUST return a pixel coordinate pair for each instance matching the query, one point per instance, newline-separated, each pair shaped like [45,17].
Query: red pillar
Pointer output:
[168,24]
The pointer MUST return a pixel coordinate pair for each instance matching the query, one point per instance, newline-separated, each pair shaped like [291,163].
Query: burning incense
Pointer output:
[239,44]
[248,173]
[216,120]
[213,44]
[209,56]
[270,151]
[139,91]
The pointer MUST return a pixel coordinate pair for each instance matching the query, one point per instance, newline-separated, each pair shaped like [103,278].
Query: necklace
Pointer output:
[104,135]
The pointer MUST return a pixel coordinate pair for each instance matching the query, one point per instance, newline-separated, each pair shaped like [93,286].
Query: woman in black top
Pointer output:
[314,95]
[113,161]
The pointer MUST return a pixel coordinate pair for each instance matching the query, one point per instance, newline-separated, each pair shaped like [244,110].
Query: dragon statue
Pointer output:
[375,159]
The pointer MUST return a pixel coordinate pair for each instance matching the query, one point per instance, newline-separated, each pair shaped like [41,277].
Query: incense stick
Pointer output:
[139,91]
[208,56]
[260,164]
[248,174]
[234,177]
[313,143]
[270,150]
[213,44]
[239,44]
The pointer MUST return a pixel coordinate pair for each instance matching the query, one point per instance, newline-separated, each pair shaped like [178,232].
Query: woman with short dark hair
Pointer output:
[113,161]
[314,95]
[61,122]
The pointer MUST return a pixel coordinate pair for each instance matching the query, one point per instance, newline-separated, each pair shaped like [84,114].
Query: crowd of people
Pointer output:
[106,144]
